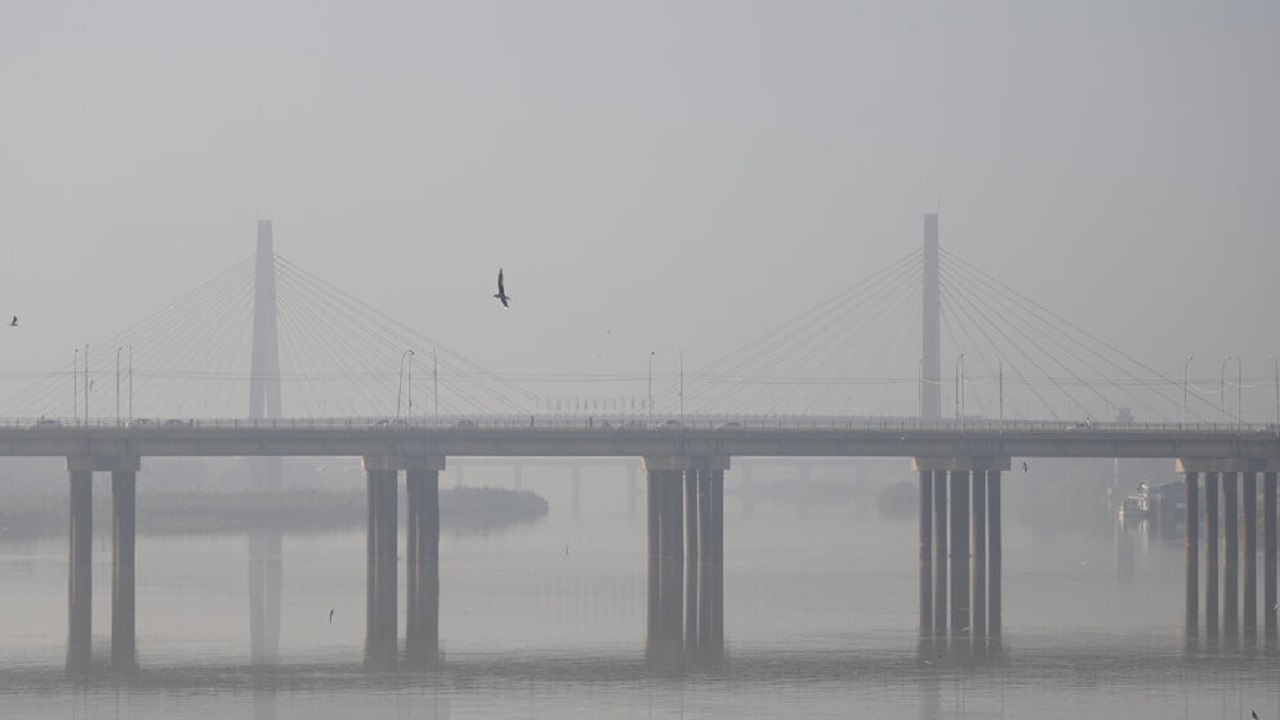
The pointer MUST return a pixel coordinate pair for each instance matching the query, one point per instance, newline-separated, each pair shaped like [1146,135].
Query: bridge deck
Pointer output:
[760,437]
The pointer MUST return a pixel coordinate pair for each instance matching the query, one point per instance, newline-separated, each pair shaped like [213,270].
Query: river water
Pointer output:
[820,621]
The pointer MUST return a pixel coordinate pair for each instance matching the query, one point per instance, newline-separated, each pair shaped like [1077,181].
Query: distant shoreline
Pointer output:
[463,510]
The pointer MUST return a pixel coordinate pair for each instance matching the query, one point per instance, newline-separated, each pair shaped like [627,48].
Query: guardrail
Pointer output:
[743,423]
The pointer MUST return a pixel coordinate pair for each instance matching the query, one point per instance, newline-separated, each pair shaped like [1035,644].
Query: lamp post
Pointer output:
[651,354]
[960,389]
[75,388]
[118,350]
[1222,388]
[1185,366]
[680,353]
[400,386]
[1239,385]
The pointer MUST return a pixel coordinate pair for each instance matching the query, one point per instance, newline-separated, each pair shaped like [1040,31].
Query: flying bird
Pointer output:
[14,321]
[331,615]
[1254,713]
[502,293]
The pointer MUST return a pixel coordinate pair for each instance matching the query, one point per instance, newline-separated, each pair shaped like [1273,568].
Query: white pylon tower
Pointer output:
[931,346]
[264,372]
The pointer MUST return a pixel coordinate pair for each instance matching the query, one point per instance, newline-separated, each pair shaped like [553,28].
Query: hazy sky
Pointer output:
[652,175]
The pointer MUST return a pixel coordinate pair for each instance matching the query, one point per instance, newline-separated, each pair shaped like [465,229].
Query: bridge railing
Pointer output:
[603,423]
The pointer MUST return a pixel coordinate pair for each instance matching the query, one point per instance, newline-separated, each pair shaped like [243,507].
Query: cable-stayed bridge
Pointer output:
[929,336]
[854,376]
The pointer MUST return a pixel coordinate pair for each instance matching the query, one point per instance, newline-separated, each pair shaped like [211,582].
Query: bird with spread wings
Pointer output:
[502,292]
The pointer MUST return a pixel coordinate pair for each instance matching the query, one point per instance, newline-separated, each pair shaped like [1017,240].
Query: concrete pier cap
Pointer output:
[960,464]
[104,463]
[1225,465]
[669,463]
[396,463]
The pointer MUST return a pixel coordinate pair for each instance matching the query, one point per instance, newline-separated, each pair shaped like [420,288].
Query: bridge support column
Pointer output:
[1249,490]
[959,552]
[711,563]
[926,552]
[1231,556]
[995,553]
[80,575]
[1191,486]
[380,587]
[691,561]
[979,614]
[664,646]
[975,607]
[940,553]
[1212,613]
[686,521]
[422,561]
[1269,555]
[1227,469]
[124,488]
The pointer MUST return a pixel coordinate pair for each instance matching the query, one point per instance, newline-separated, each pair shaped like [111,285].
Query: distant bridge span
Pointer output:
[702,438]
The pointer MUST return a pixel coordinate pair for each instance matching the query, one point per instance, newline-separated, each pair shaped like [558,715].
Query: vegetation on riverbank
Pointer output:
[466,510]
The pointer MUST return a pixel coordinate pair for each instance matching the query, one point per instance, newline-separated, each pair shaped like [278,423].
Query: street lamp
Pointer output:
[118,385]
[1222,388]
[75,388]
[960,389]
[400,387]
[681,355]
[1185,365]
[651,354]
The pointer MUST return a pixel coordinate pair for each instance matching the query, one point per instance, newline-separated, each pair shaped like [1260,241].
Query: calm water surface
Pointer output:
[820,621]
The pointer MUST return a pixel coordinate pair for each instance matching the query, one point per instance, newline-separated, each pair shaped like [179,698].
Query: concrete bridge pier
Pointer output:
[940,552]
[1231,557]
[960,622]
[664,648]
[124,533]
[1269,555]
[686,554]
[710,557]
[1249,494]
[691,560]
[974,544]
[422,561]
[1211,535]
[1191,487]
[926,552]
[995,554]
[978,623]
[380,583]
[1238,500]
[80,574]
